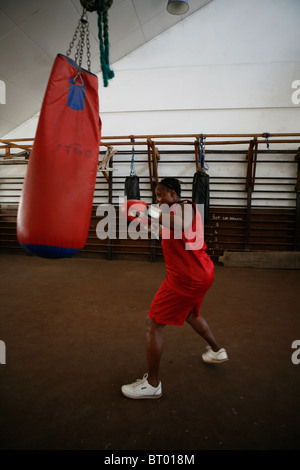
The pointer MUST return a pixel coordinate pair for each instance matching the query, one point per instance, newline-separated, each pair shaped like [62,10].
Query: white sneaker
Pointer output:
[142,389]
[214,357]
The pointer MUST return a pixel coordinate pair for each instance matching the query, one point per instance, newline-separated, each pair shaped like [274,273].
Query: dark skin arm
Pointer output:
[180,220]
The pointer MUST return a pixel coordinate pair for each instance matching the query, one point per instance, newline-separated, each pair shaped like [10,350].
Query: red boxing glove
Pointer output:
[134,210]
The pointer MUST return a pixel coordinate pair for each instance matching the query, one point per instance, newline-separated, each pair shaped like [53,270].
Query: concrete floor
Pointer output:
[74,333]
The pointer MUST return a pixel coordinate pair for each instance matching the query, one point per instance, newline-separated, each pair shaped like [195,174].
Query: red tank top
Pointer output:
[189,268]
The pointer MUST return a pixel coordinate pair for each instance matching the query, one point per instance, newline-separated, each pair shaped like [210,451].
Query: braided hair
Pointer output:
[172,183]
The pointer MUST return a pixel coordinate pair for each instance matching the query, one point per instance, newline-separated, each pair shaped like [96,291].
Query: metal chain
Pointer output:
[73,40]
[80,46]
[81,32]
[88,47]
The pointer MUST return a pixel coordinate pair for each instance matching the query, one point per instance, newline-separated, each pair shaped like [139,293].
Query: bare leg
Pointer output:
[201,326]
[154,348]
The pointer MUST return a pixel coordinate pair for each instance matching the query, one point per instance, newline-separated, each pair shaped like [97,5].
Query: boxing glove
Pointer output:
[140,211]
[133,209]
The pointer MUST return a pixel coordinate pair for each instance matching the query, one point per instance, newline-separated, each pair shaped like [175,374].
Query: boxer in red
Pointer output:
[190,274]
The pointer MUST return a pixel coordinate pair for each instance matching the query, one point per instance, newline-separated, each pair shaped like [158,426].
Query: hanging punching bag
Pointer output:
[200,192]
[132,182]
[132,188]
[57,196]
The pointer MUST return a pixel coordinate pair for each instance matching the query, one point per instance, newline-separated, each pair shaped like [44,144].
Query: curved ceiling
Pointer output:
[32,32]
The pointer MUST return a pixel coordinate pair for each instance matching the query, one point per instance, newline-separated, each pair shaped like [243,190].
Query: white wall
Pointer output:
[227,68]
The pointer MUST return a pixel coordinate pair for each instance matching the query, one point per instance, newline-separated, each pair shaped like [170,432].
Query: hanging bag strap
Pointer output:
[202,165]
[132,169]
[266,135]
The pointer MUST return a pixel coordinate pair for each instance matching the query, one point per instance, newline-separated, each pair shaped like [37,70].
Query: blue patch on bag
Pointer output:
[76,95]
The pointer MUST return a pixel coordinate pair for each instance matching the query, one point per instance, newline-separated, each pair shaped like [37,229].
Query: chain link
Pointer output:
[88,48]
[71,45]
[81,34]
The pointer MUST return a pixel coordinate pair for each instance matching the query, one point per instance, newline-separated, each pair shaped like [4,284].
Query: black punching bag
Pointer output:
[132,187]
[201,191]
[200,194]
[132,182]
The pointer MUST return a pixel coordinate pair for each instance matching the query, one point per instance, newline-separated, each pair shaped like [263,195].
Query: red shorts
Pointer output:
[170,307]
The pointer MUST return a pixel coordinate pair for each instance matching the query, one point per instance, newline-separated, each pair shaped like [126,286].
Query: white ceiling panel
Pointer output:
[48,26]
[123,20]
[6,24]
[33,80]
[146,10]
[17,52]
[159,24]
[18,11]
[21,105]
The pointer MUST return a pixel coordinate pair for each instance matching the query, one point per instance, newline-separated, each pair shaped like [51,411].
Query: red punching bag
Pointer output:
[57,196]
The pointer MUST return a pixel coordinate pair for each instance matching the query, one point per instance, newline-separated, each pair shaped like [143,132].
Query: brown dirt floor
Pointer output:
[74,333]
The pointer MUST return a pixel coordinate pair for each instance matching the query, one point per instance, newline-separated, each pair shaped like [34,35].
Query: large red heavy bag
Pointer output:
[57,196]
